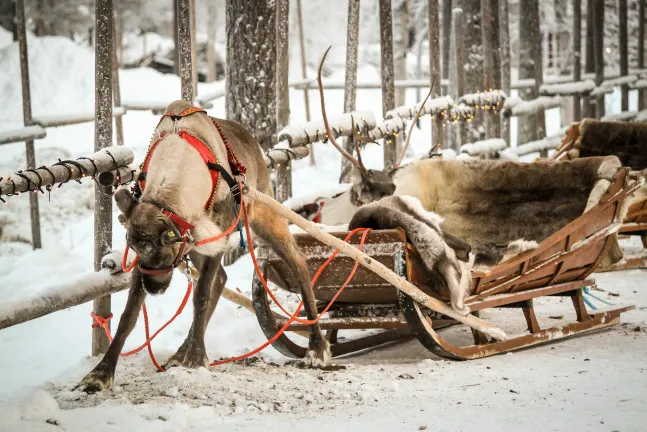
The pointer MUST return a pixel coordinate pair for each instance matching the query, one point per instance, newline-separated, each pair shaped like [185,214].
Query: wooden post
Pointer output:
[194,50]
[304,74]
[598,43]
[400,48]
[589,66]
[457,75]
[350,82]
[116,91]
[577,57]
[504,46]
[532,127]
[391,148]
[434,69]
[447,31]
[283,173]
[487,36]
[104,44]
[212,17]
[184,44]
[176,26]
[624,54]
[26,115]
[641,50]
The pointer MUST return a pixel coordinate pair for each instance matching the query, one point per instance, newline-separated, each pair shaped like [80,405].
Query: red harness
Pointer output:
[209,158]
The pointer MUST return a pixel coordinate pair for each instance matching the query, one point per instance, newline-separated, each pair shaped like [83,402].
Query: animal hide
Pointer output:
[424,232]
[490,203]
[627,141]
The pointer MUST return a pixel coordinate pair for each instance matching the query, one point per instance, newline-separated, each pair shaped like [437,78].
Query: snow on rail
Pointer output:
[567,89]
[515,106]
[432,107]
[23,134]
[74,118]
[489,99]
[314,131]
[484,147]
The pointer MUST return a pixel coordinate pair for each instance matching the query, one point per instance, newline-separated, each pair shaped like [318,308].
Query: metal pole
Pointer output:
[104,44]
[26,114]
[184,45]
[350,82]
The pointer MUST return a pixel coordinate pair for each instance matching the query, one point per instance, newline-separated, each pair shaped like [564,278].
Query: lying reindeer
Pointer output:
[180,177]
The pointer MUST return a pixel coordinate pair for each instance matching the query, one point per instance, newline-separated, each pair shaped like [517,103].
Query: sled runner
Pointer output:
[627,141]
[559,266]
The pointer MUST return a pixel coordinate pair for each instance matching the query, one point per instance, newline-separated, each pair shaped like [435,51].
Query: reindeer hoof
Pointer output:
[96,381]
[190,356]
[317,356]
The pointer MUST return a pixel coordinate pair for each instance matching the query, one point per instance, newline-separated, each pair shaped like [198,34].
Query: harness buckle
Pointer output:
[189,238]
[187,268]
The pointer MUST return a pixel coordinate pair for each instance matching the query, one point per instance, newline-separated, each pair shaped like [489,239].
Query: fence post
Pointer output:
[457,74]
[350,81]
[589,66]
[391,148]
[116,91]
[282,170]
[641,50]
[504,46]
[447,31]
[194,49]
[531,127]
[437,137]
[184,48]
[598,43]
[577,56]
[624,55]
[487,36]
[104,45]
[304,74]
[26,114]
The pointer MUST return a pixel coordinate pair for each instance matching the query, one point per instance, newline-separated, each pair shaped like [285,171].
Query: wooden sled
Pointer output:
[627,141]
[560,266]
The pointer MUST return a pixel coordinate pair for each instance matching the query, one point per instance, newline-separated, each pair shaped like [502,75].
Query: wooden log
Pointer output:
[104,46]
[437,137]
[282,154]
[504,47]
[314,131]
[624,53]
[380,269]
[283,169]
[433,107]
[577,56]
[642,103]
[304,72]
[350,80]
[391,148]
[457,71]
[184,49]
[17,184]
[26,113]
[598,43]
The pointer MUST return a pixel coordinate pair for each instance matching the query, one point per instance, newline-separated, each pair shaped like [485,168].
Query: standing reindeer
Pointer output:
[190,152]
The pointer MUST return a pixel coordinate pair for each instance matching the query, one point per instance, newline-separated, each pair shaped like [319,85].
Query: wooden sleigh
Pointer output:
[560,266]
[628,142]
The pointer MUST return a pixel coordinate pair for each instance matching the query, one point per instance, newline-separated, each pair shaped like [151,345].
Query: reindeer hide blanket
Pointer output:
[627,141]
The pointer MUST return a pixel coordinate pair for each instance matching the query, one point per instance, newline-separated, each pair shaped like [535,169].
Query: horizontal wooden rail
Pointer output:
[75,118]
[26,133]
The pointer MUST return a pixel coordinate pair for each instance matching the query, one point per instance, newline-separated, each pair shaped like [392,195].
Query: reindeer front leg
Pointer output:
[103,375]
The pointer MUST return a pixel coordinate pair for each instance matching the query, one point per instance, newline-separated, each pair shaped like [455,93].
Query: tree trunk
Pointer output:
[447,32]
[624,53]
[577,56]
[598,43]
[304,74]
[504,45]
[489,35]
[391,150]
[473,57]
[116,90]
[457,75]
[194,50]
[184,39]
[589,66]
[176,26]
[642,103]
[532,127]
[283,173]
[212,16]
[561,58]
[350,83]
[102,138]
[251,67]
[434,69]
[400,47]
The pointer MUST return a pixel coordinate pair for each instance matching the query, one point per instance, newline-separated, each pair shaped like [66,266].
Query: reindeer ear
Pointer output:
[461,247]
[125,201]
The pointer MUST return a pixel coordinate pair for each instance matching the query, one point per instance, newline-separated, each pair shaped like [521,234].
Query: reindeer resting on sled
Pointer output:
[182,207]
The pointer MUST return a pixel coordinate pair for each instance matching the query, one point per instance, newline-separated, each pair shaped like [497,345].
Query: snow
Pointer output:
[21,134]
[566,89]
[518,107]
[596,382]
[432,107]
[315,130]
[488,146]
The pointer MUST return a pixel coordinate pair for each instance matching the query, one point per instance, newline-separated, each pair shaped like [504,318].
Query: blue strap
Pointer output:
[587,291]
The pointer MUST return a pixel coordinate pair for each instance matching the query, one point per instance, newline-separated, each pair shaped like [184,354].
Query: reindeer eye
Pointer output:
[146,247]
[169,237]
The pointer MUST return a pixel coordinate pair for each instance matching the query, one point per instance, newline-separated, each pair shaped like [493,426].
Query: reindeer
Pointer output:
[166,223]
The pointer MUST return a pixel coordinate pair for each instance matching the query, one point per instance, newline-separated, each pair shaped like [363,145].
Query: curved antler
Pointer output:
[331,136]
[406,145]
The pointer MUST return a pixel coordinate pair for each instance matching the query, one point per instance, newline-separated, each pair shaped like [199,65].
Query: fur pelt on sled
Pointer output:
[491,203]
[627,141]
[446,257]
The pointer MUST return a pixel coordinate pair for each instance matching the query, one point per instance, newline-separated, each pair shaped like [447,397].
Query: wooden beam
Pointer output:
[184,51]
[350,80]
[104,45]
[26,113]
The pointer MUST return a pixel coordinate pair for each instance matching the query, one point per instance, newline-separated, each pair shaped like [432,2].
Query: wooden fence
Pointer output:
[452,113]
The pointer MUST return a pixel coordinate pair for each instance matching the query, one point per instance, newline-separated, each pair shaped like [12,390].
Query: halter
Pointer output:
[216,170]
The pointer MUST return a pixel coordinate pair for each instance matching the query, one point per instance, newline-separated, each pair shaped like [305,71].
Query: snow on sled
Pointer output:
[559,266]
[627,141]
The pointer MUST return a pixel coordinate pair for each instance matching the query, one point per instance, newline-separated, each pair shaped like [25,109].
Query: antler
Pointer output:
[406,145]
[331,136]
[359,155]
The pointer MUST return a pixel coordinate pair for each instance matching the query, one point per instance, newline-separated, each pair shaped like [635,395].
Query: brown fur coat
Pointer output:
[627,141]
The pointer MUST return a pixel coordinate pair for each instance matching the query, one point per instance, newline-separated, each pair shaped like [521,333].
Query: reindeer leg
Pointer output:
[192,353]
[274,230]
[103,375]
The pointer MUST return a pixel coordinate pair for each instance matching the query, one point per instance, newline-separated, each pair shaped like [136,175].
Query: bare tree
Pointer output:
[251,67]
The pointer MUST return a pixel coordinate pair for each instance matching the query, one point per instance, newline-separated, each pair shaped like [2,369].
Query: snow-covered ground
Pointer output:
[595,382]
